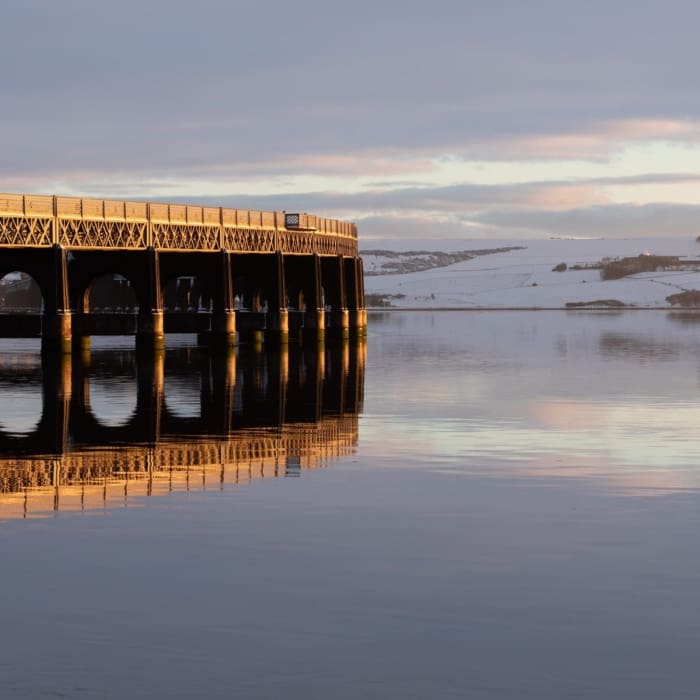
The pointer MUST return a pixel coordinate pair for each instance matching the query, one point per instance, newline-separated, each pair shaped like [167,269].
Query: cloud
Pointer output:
[596,141]
[613,221]
[616,221]
[354,110]
[171,83]
[455,199]
[417,227]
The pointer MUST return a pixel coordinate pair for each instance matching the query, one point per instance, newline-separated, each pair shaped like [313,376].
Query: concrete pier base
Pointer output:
[315,324]
[56,336]
[150,334]
[277,330]
[338,324]
[223,332]
[358,321]
[82,343]
[250,325]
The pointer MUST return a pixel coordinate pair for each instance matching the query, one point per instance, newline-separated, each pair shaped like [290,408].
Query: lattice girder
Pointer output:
[25,231]
[185,237]
[84,233]
[248,240]
[74,222]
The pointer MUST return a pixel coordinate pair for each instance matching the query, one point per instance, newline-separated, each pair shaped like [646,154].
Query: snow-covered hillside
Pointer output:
[524,278]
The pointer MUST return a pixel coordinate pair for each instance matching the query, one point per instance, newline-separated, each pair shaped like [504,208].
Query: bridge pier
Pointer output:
[82,344]
[339,323]
[223,323]
[150,330]
[318,320]
[56,332]
[304,276]
[335,297]
[223,330]
[150,334]
[315,324]
[277,327]
[355,294]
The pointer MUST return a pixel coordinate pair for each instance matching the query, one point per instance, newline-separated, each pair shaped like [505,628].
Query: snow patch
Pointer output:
[524,278]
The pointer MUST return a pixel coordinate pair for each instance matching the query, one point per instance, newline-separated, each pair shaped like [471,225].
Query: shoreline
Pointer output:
[608,309]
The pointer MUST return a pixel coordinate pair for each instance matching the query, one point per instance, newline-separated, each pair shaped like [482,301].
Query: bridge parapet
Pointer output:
[75,222]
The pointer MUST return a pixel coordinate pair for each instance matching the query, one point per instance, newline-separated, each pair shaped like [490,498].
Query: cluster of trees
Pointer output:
[616,269]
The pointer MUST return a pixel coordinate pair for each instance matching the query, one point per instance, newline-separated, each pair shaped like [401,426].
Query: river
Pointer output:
[468,505]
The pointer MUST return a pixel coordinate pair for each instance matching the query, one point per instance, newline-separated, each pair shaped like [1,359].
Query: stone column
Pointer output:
[315,316]
[56,322]
[339,321]
[150,334]
[223,329]
[356,297]
[277,313]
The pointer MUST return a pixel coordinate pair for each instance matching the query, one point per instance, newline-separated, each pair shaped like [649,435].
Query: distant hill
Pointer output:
[556,273]
[390,262]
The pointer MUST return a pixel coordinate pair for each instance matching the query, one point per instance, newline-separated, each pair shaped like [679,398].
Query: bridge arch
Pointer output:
[86,268]
[20,291]
[37,264]
[303,284]
[191,279]
[110,292]
[186,293]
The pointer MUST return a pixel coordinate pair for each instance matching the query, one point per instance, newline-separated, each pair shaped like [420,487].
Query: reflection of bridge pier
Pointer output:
[217,399]
[303,398]
[263,389]
[237,391]
[150,385]
[57,391]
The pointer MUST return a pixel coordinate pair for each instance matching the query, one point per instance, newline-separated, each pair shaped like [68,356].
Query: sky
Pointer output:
[444,119]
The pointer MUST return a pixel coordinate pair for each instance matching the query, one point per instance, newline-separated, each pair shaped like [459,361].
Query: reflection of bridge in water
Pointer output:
[259,415]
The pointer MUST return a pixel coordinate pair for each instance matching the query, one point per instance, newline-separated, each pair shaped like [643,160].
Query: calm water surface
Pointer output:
[484,505]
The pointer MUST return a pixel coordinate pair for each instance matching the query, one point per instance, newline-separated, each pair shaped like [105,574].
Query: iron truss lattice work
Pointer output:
[73,222]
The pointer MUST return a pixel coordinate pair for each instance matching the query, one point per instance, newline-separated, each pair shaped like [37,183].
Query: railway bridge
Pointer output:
[257,272]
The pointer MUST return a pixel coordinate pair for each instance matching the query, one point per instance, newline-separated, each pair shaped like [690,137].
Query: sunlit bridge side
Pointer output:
[147,269]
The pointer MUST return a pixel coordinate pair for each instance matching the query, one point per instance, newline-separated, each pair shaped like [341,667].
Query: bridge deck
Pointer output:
[75,223]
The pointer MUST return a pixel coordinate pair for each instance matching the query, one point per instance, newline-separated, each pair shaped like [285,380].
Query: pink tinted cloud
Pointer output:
[564,197]
[596,143]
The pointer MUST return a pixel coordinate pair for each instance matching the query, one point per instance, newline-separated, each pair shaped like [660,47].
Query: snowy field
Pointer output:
[525,278]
